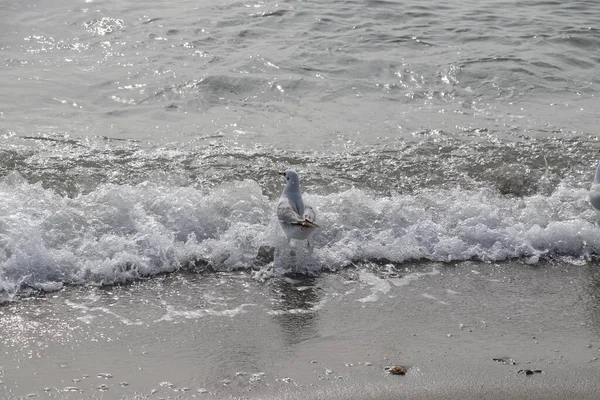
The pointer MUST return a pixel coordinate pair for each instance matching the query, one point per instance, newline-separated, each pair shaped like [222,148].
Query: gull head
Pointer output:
[291,178]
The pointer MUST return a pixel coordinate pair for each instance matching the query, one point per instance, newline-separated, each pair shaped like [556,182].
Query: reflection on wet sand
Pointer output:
[295,311]
[593,301]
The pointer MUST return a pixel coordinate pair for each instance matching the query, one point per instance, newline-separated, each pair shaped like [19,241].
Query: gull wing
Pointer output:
[310,214]
[286,213]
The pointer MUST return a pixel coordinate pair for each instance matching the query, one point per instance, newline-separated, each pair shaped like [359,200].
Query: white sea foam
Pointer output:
[305,310]
[172,313]
[408,278]
[117,233]
[378,286]
[87,317]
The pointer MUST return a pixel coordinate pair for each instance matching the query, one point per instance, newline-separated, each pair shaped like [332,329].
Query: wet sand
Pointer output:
[463,331]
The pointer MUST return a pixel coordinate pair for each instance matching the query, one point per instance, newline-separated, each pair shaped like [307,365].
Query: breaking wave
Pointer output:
[118,233]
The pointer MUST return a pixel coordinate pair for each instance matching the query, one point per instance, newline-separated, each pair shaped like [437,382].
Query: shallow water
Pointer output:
[465,330]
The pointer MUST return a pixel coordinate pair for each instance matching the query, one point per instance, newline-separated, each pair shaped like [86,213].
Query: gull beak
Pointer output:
[281,173]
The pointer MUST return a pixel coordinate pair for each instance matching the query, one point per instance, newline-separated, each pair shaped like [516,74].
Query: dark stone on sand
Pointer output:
[397,370]
[266,254]
[529,371]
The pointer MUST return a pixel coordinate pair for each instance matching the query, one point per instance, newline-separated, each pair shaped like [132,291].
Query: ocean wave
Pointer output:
[119,233]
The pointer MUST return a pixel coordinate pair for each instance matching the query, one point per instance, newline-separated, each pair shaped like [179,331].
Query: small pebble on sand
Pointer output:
[397,370]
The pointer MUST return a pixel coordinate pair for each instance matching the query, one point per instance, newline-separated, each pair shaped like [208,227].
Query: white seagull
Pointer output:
[296,219]
[595,191]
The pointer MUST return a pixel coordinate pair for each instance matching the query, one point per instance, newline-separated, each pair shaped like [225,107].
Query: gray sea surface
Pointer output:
[348,91]
[147,135]
[140,137]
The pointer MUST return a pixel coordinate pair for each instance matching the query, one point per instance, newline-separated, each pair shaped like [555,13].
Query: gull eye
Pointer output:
[284,174]
[288,178]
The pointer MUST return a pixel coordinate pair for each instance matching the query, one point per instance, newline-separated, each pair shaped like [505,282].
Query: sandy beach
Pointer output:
[470,330]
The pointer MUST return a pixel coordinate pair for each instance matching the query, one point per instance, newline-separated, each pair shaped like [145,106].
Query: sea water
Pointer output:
[142,138]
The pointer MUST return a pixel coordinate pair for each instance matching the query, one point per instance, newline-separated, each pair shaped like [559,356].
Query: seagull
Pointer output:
[296,219]
[595,191]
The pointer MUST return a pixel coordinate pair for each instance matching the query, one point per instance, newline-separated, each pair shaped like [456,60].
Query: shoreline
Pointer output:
[458,330]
